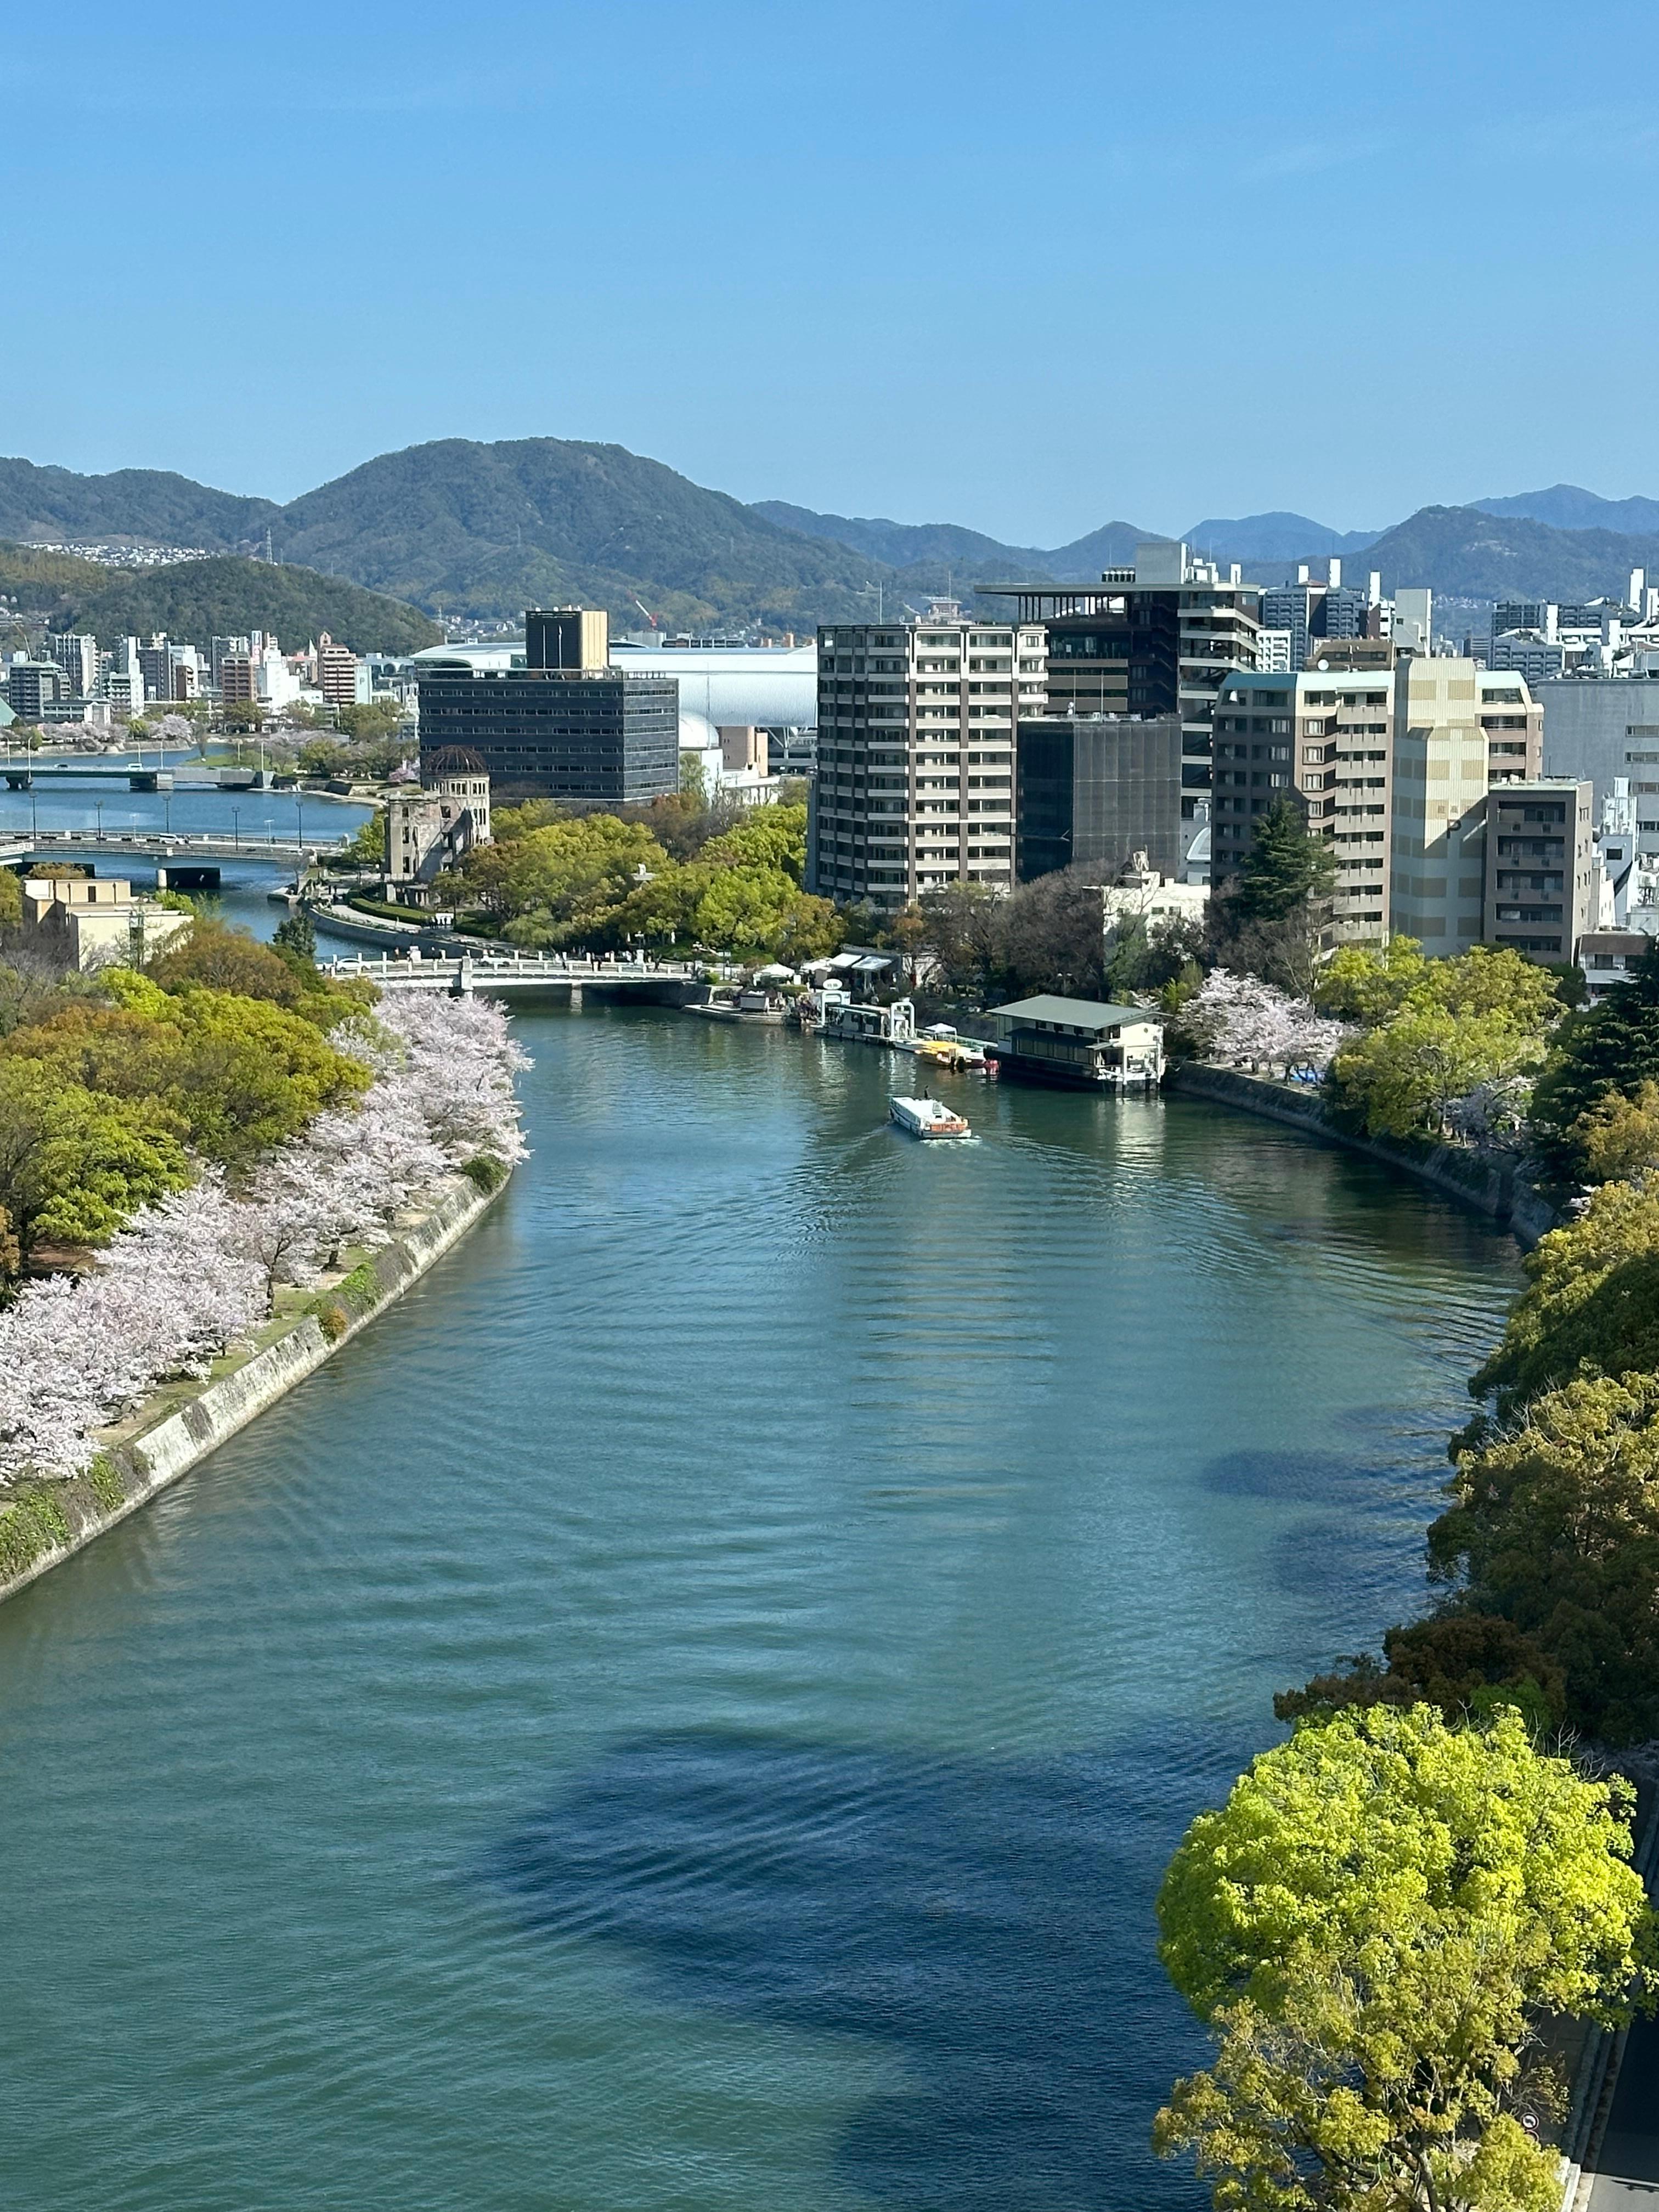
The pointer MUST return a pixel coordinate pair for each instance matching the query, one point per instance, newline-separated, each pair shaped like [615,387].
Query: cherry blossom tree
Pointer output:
[194,1274]
[1239,1017]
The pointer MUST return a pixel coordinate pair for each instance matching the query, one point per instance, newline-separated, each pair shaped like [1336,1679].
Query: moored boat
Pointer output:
[926,1117]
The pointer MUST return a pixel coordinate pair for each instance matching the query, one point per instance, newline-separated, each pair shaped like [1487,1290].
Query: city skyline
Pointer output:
[764,249]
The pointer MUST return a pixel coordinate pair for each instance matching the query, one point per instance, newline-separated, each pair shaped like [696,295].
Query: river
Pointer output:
[690,1708]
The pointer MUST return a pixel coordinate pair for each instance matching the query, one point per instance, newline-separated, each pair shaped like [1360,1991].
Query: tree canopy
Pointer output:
[1367,1925]
[1609,1048]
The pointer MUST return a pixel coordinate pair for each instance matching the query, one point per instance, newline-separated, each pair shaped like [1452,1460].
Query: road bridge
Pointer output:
[162,845]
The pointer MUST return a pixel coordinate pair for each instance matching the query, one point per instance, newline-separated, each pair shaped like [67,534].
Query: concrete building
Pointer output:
[1437,817]
[33,688]
[916,725]
[1093,790]
[1527,654]
[574,640]
[78,923]
[1513,723]
[1414,618]
[341,678]
[1080,1041]
[239,679]
[1155,639]
[1609,958]
[1602,730]
[76,652]
[1325,737]
[1274,652]
[1541,874]
[430,831]
[592,735]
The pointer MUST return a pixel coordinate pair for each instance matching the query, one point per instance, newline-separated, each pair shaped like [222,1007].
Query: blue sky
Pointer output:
[1027,267]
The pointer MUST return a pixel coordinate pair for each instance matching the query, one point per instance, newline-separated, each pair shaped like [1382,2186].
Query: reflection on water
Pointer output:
[691,1709]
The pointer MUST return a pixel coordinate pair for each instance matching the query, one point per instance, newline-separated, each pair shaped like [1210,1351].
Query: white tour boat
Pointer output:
[926,1117]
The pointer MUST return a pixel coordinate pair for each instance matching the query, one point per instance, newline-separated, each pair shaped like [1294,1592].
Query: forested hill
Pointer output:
[227,595]
[151,504]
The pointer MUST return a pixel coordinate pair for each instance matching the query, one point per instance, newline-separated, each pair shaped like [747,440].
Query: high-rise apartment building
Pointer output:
[915,758]
[340,679]
[1155,639]
[239,678]
[76,653]
[1513,723]
[1323,738]
[1541,876]
[1437,875]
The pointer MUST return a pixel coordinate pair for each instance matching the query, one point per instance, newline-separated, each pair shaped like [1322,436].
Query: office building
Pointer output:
[1610,957]
[576,640]
[1541,875]
[1324,738]
[155,667]
[1155,639]
[1604,729]
[1437,822]
[1095,789]
[1412,627]
[77,923]
[915,781]
[1273,652]
[592,736]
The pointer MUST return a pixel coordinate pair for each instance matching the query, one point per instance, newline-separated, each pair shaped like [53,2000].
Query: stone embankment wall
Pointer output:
[1492,1185]
[177,1431]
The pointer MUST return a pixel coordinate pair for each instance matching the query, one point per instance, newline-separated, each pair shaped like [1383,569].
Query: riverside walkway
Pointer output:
[507,974]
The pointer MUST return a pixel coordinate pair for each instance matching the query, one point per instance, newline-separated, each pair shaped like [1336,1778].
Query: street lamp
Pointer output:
[236,827]
[99,805]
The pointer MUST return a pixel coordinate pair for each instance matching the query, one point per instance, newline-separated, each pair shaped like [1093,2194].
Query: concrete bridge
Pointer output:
[161,845]
[512,975]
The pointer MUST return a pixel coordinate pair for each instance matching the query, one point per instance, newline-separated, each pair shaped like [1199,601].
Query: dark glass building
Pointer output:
[1095,789]
[592,735]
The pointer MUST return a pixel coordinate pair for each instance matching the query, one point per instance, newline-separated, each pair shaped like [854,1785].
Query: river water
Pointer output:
[690,1708]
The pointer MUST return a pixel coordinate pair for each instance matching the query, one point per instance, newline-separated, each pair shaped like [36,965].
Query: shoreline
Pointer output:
[1498,1191]
[179,1425]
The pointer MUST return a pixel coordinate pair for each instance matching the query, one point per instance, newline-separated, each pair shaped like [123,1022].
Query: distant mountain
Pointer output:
[1569,507]
[491,529]
[151,505]
[1275,536]
[937,551]
[904,544]
[225,595]
[1466,552]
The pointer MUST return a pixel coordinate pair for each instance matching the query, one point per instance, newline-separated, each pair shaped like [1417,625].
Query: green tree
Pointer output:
[243,714]
[1370,1925]
[961,922]
[1287,868]
[367,847]
[1555,1525]
[296,936]
[1400,1079]
[767,837]
[1619,1139]
[1600,1050]
[75,1164]
[1368,983]
[1591,1306]
[1464,1662]
[812,930]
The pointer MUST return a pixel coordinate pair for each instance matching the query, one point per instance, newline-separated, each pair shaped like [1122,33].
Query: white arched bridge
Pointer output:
[511,974]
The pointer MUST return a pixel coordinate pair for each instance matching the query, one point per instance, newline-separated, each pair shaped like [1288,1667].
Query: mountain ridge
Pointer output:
[464,527]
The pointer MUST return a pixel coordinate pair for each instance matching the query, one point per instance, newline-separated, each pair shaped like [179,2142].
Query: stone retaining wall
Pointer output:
[166,1439]
[1489,1183]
